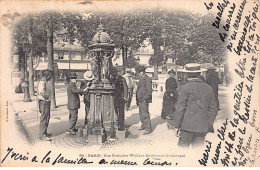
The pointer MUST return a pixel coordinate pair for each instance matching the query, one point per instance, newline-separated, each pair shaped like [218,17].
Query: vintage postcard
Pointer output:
[88,83]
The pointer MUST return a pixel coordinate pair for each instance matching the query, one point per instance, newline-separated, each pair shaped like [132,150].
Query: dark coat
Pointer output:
[121,91]
[73,96]
[196,107]
[86,97]
[144,89]
[213,80]
[168,101]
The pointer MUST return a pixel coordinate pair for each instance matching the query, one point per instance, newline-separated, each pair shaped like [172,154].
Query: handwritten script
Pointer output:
[239,136]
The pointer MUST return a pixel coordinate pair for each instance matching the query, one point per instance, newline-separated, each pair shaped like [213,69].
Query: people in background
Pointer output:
[120,98]
[196,109]
[143,98]
[131,86]
[170,96]
[228,79]
[213,80]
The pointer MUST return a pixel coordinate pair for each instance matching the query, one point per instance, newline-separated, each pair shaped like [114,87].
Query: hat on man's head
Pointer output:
[171,71]
[47,69]
[192,68]
[88,75]
[212,68]
[73,75]
[46,72]
[140,68]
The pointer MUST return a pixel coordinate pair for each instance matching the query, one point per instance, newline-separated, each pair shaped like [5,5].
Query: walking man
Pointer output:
[44,96]
[73,102]
[130,85]
[120,97]
[143,98]
[196,109]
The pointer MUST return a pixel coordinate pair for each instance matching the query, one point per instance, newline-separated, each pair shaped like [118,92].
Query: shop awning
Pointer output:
[74,66]
[41,66]
[65,66]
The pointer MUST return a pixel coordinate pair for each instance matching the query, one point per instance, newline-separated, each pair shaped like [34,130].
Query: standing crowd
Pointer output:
[190,112]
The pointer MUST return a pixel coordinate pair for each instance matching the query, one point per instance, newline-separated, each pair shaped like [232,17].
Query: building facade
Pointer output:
[68,57]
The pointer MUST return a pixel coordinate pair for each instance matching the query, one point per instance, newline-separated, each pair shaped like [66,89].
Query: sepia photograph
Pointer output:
[129,83]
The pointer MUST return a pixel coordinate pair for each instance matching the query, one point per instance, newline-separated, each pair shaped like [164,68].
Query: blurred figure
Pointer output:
[19,89]
[44,96]
[143,98]
[196,109]
[73,102]
[170,96]
[88,78]
[120,97]
[131,86]
[213,80]
[228,79]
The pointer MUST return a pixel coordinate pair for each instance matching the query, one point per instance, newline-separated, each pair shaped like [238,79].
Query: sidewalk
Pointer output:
[59,120]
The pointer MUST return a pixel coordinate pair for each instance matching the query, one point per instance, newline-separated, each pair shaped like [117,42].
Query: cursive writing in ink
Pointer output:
[205,158]
[15,156]
[160,163]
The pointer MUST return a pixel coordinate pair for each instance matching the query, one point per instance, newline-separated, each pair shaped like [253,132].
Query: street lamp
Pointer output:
[27,98]
[164,36]
[69,56]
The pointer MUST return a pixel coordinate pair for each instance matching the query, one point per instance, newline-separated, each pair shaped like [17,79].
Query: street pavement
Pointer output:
[28,121]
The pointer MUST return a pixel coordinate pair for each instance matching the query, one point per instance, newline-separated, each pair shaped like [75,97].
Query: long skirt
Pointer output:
[169,106]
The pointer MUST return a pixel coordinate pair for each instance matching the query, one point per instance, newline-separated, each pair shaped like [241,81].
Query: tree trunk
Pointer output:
[155,72]
[31,76]
[126,59]
[123,58]
[51,59]
[156,53]
[22,57]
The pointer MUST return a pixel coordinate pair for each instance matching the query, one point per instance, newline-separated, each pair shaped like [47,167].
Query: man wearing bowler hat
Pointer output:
[73,102]
[143,98]
[196,109]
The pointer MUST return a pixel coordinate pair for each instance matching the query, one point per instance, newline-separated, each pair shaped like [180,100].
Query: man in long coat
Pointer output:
[73,102]
[213,80]
[143,98]
[196,109]
[120,99]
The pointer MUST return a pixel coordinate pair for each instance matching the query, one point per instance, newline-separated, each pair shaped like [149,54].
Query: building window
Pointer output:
[72,56]
[83,56]
[61,56]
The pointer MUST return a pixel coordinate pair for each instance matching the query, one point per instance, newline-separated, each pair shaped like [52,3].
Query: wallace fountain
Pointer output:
[101,118]
[102,127]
